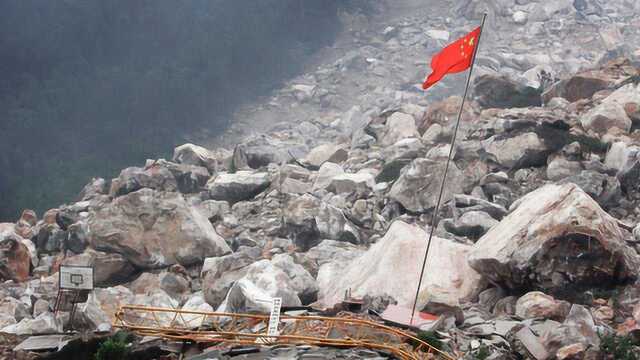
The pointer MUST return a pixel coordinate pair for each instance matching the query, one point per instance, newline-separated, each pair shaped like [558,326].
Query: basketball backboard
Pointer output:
[76,277]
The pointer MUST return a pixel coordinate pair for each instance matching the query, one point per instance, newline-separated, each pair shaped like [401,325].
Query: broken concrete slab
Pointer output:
[43,343]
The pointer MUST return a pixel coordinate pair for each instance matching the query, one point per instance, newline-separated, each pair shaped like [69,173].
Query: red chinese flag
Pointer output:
[455,58]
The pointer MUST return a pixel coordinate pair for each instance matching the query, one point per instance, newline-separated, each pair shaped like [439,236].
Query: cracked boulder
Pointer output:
[153,229]
[266,279]
[557,239]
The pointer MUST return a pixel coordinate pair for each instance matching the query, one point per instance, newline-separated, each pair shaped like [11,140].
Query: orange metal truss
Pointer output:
[251,329]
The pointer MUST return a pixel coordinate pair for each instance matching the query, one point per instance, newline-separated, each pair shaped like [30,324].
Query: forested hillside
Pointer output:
[88,87]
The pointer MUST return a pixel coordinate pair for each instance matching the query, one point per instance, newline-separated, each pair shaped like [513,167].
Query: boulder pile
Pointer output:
[536,254]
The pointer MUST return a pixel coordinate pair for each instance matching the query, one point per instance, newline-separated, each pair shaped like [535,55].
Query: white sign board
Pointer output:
[76,277]
[274,317]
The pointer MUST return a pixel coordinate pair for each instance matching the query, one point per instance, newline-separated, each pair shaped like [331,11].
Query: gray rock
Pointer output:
[95,187]
[328,251]
[261,151]
[560,168]
[399,126]
[602,118]
[358,185]
[134,178]
[262,282]
[45,323]
[578,327]
[219,273]
[326,173]
[472,224]
[604,189]
[419,183]
[15,308]
[537,304]
[309,219]
[465,203]
[520,151]
[406,149]
[191,154]
[214,209]
[234,187]
[326,152]
[501,92]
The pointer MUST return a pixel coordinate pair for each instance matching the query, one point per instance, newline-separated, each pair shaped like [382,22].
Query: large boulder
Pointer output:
[584,84]
[220,273]
[536,304]
[309,219]
[263,150]
[234,187]
[515,152]
[191,154]
[15,257]
[326,173]
[134,178]
[580,86]
[326,152]
[557,239]
[418,185]
[383,270]
[399,126]
[501,92]
[189,178]
[265,280]
[579,327]
[154,229]
[329,252]
[602,118]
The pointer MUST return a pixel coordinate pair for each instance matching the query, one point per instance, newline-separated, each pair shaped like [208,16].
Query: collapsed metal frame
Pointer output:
[250,329]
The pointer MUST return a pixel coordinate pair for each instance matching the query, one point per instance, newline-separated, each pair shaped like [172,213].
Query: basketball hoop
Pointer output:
[75,284]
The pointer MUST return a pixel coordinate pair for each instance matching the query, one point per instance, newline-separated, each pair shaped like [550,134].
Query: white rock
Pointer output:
[326,152]
[326,173]
[384,270]
[399,126]
[520,17]
[442,35]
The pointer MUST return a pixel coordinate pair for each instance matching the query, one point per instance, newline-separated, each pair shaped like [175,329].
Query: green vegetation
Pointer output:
[430,338]
[114,348]
[482,352]
[618,347]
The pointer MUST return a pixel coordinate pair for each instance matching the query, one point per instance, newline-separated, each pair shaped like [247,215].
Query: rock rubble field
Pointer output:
[535,256]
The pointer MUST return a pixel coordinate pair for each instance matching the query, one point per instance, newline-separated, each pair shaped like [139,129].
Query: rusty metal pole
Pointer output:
[434,218]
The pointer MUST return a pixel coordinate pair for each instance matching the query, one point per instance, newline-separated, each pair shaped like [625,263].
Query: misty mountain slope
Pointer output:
[89,87]
[380,61]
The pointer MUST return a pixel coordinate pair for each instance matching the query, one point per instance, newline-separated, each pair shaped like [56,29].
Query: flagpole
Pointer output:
[434,217]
